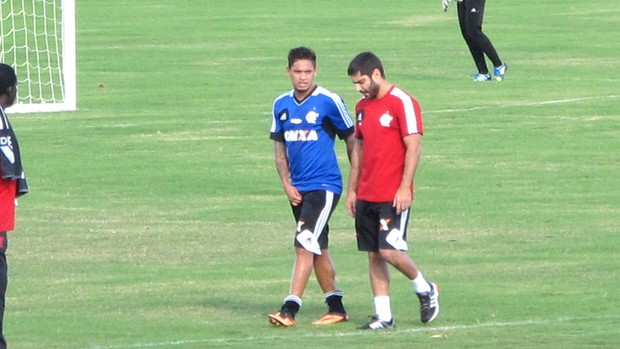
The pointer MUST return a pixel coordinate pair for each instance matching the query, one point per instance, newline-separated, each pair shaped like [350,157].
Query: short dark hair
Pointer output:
[365,63]
[301,53]
[7,78]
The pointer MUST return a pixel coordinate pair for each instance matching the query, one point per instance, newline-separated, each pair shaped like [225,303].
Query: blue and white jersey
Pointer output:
[308,129]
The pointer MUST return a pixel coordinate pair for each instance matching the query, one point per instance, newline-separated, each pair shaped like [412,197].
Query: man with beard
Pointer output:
[388,134]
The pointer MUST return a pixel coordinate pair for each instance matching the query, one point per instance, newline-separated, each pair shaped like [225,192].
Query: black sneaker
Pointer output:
[376,324]
[429,304]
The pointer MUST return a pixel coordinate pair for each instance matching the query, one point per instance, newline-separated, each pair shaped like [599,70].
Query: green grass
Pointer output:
[156,218]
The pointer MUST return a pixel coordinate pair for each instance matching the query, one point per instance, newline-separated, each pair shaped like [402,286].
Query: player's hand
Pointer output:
[350,204]
[402,199]
[294,196]
[444,5]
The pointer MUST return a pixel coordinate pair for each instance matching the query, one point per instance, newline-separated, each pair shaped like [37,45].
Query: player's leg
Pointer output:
[8,188]
[325,271]
[475,50]
[321,205]
[475,16]
[304,262]
[392,248]
[311,239]
[3,284]
[326,276]
[366,221]
[393,241]
[427,292]
[302,268]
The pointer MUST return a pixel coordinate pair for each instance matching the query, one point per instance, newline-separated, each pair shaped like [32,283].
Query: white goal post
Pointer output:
[37,38]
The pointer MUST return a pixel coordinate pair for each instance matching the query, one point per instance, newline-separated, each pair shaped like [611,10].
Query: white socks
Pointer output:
[382,303]
[420,285]
[383,309]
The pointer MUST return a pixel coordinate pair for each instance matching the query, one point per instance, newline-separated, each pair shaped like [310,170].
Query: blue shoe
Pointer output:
[499,72]
[482,77]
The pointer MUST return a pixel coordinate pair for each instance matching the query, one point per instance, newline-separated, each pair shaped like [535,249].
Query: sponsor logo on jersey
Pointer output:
[283,116]
[301,135]
[6,141]
[6,146]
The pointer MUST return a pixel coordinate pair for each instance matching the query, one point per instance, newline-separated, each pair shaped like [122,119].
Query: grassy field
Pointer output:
[156,218]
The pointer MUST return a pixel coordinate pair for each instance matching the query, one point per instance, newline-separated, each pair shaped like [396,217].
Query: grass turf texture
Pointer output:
[156,219]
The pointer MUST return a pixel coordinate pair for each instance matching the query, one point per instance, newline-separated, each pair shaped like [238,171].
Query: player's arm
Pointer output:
[350,142]
[445,4]
[404,194]
[282,167]
[355,158]
[343,125]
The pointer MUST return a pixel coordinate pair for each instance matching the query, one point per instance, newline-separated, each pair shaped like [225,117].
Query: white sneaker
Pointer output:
[482,77]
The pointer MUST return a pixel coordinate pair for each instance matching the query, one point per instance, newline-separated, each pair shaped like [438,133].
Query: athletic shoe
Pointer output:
[429,304]
[281,319]
[376,324]
[482,77]
[331,318]
[499,72]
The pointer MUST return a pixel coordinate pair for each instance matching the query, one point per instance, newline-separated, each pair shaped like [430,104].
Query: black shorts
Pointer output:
[312,216]
[379,227]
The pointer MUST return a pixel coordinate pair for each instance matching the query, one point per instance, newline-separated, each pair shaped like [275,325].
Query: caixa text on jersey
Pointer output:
[301,135]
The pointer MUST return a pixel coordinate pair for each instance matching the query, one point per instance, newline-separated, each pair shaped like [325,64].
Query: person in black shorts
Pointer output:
[387,148]
[305,123]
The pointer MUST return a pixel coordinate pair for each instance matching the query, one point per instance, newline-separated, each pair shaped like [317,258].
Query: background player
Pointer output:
[12,179]
[471,15]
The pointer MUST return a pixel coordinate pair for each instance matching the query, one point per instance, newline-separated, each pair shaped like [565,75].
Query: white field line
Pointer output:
[532,104]
[240,340]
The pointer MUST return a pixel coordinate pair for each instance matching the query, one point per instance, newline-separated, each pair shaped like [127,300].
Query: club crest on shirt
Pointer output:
[311,117]
[385,120]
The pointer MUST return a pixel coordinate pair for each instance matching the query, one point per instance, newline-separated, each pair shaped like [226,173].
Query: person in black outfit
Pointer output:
[471,14]
[12,180]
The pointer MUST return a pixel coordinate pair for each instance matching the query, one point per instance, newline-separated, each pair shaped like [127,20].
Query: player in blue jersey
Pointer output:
[306,121]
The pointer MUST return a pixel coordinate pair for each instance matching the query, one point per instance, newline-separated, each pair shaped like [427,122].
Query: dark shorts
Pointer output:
[379,227]
[312,216]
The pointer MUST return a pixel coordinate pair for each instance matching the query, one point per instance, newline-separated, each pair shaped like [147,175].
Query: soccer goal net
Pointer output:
[37,38]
